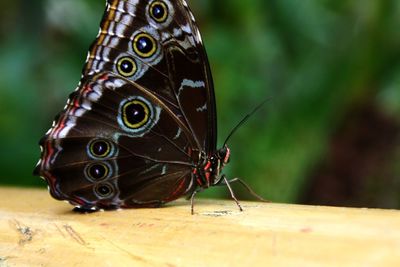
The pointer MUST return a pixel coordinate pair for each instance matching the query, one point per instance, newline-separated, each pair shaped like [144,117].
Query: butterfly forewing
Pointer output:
[176,69]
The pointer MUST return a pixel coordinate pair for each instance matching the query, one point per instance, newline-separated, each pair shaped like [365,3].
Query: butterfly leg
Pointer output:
[192,198]
[226,182]
[248,188]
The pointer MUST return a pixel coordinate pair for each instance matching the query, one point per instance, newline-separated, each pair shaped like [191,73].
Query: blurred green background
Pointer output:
[329,135]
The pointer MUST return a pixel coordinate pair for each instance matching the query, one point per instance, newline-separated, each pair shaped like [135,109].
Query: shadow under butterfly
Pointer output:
[140,129]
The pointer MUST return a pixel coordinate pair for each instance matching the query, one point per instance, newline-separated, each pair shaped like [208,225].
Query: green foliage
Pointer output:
[313,59]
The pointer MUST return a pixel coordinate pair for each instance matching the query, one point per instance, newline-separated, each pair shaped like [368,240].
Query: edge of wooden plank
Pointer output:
[34,226]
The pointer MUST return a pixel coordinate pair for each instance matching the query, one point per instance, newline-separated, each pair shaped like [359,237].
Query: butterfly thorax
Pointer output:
[208,172]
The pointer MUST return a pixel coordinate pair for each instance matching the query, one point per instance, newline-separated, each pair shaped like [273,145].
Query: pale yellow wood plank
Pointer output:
[36,230]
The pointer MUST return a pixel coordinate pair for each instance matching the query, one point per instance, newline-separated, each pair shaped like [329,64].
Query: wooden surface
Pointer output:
[36,230]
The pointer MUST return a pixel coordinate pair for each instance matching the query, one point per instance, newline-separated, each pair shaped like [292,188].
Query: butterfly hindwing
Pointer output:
[117,138]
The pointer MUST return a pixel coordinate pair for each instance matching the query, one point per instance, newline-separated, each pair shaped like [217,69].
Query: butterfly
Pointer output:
[140,129]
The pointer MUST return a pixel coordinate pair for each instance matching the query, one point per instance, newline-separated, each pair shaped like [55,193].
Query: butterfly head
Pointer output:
[223,155]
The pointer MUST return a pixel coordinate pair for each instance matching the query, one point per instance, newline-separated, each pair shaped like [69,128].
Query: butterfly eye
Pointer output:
[158,11]
[126,67]
[144,45]
[97,171]
[135,114]
[103,190]
[100,148]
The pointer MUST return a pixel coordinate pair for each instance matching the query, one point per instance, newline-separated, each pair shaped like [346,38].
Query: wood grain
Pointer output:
[36,230]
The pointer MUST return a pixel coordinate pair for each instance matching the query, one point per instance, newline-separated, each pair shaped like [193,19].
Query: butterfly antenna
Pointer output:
[244,120]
